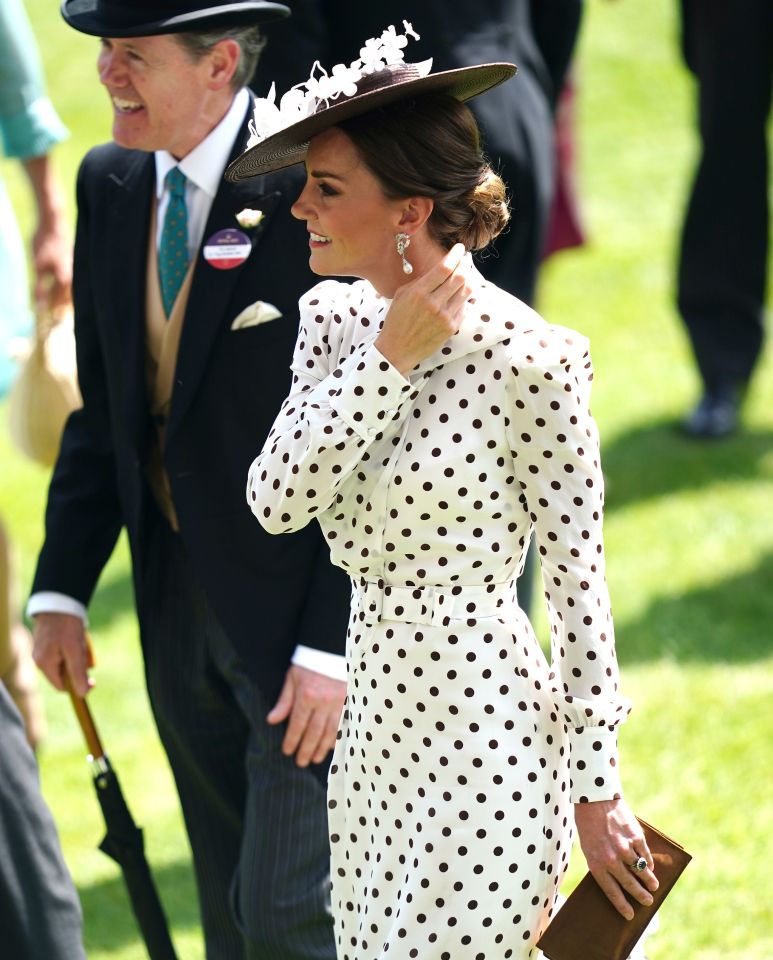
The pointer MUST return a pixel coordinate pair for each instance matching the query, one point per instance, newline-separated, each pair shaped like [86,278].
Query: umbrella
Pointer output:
[123,842]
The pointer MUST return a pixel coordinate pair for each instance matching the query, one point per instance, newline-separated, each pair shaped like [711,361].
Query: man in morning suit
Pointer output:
[186,318]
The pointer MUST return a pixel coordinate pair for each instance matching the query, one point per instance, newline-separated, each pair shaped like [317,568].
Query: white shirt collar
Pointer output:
[205,164]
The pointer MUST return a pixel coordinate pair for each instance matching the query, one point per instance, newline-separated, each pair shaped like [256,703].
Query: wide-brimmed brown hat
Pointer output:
[396,82]
[146,18]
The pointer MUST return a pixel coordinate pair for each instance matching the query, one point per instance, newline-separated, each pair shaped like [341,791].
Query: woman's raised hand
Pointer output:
[425,312]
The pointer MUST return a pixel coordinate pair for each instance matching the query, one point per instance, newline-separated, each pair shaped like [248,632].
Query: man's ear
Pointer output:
[224,59]
[415,213]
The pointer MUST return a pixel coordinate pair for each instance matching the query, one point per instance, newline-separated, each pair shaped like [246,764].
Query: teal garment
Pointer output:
[29,127]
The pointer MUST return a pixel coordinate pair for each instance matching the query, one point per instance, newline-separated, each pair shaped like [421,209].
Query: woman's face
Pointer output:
[351,224]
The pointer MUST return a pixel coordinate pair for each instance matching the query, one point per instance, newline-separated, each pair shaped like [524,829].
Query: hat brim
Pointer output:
[290,146]
[98,20]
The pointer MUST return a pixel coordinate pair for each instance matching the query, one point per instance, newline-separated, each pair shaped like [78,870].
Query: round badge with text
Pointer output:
[227,249]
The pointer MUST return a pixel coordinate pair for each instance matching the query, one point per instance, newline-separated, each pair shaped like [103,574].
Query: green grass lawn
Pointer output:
[689,528]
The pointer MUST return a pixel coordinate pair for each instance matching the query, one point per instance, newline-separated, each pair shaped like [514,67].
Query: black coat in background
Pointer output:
[269,593]
[516,117]
[723,255]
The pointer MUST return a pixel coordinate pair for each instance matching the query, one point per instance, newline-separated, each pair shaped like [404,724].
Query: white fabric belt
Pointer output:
[433,606]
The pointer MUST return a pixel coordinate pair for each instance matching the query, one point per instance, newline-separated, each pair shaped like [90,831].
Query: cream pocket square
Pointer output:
[259,312]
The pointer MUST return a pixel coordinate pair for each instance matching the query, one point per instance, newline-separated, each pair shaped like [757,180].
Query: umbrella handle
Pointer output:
[86,722]
[82,711]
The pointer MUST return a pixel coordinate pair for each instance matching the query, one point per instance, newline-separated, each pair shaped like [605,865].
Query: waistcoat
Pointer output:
[162,341]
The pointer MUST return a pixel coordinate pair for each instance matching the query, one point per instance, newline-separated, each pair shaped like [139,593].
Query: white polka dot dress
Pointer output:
[461,750]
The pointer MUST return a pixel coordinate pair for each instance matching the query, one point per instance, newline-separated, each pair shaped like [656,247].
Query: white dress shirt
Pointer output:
[203,168]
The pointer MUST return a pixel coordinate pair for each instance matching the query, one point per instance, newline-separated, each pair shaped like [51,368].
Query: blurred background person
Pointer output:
[722,270]
[40,916]
[30,127]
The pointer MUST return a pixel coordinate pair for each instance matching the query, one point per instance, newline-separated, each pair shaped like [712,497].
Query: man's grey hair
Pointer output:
[250,40]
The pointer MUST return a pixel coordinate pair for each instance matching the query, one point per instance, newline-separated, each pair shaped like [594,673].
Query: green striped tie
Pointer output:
[173,249]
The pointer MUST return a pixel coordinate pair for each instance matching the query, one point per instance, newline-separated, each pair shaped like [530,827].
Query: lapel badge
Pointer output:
[227,249]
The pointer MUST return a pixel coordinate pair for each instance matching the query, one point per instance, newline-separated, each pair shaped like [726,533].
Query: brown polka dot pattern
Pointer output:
[461,749]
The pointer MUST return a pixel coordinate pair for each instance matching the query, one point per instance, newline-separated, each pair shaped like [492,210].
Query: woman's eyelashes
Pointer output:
[326,190]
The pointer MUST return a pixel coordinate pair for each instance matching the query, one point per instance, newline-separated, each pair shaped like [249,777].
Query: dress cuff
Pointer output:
[48,601]
[320,661]
[371,394]
[594,769]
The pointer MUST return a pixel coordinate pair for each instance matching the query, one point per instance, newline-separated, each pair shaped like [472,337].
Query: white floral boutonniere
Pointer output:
[248,219]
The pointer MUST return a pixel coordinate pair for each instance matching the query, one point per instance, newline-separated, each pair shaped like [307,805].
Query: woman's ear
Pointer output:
[415,213]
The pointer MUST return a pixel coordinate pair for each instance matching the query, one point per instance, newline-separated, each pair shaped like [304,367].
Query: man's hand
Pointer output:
[313,703]
[612,840]
[60,649]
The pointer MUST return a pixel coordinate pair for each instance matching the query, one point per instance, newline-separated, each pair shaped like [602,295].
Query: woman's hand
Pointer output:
[612,841]
[51,243]
[425,312]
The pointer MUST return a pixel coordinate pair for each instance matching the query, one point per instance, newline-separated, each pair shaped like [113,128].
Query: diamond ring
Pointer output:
[639,865]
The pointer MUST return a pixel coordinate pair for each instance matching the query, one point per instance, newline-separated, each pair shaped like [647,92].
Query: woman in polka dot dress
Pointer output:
[434,423]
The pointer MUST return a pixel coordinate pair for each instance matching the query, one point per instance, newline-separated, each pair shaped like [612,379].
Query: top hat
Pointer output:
[281,135]
[144,18]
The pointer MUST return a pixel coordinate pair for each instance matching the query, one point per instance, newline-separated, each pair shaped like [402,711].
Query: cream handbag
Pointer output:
[45,391]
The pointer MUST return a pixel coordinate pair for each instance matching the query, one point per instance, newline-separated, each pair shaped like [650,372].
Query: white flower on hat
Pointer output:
[370,56]
[267,117]
[392,44]
[303,99]
[264,117]
[343,81]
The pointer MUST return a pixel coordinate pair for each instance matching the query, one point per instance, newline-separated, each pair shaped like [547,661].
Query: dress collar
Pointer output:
[491,316]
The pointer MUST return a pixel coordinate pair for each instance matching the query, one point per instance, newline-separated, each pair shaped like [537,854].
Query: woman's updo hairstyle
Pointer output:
[430,147]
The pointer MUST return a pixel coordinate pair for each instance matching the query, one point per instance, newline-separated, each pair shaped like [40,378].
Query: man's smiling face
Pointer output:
[160,95]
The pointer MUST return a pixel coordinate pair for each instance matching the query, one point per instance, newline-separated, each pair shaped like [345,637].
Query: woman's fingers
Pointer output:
[620,877]
[425,312]
[613,892]
[612,841]
[446,269]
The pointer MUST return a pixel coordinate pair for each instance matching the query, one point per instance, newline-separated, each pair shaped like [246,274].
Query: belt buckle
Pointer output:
[435,605]
[373,602]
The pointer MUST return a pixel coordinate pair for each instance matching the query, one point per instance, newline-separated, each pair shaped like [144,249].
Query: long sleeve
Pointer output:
[29,125]
[334,412]
[83,515]
[556,454]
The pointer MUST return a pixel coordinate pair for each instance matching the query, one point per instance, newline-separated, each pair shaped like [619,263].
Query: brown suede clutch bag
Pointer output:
[587,927]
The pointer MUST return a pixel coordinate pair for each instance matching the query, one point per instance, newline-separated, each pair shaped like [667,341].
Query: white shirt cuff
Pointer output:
[48,601]
[320,661]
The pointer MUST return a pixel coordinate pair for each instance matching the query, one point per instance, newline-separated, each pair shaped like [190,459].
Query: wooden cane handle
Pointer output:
[83,713]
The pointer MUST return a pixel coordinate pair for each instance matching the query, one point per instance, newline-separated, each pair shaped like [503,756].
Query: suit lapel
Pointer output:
[129,198]
[212,289]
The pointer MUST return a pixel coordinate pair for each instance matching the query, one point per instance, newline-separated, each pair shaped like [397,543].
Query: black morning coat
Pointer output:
[269,592]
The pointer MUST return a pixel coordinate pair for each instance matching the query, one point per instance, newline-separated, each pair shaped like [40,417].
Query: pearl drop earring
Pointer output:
[402,240]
